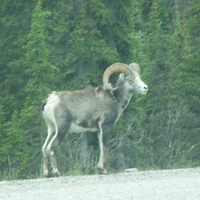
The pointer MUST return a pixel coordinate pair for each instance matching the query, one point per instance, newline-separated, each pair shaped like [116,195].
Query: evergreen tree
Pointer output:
[14,26]
[41,77]
[189,72]
[66,45]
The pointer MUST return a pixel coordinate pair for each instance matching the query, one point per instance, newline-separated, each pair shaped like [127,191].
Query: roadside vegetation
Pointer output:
[67,45]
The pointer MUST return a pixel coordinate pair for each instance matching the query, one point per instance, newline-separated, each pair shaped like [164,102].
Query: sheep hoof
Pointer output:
[102,171]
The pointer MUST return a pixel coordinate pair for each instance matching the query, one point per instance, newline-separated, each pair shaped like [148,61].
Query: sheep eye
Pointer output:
[131,81]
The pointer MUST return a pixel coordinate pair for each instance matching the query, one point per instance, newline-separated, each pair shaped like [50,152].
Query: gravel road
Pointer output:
[179,184]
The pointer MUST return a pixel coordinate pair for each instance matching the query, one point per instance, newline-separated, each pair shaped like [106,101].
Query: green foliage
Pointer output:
[59,45]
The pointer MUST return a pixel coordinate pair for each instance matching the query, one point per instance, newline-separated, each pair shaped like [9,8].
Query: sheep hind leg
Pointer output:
[55,141]
[51,152]
[45,153]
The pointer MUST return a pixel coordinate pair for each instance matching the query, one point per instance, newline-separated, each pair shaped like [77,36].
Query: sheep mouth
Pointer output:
[143,91]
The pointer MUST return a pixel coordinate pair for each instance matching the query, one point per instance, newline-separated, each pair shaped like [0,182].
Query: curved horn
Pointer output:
[116,67]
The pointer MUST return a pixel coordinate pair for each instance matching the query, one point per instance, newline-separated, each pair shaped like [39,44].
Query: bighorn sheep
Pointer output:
[91,109]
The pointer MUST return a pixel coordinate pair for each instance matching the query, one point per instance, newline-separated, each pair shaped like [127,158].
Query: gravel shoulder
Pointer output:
[183,184]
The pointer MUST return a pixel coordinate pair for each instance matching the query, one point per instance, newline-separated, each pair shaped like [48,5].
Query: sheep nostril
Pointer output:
[146,87]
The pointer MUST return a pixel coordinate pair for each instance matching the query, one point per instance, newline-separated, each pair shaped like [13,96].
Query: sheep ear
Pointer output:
[122,77]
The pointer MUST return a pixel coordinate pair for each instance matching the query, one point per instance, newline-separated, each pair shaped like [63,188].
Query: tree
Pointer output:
[14,23]
[59,45]
[188,72]
[26,126]
[41,75]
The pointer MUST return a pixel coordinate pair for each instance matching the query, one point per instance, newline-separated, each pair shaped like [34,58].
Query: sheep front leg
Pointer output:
[103,151]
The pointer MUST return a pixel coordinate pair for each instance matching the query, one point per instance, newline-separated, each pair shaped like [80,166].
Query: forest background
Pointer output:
[67,45]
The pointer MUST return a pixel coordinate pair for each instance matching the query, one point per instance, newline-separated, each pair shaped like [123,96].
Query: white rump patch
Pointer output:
[48,112]
[52,97]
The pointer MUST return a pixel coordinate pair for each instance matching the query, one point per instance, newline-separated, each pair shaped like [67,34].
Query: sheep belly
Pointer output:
[74,128]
